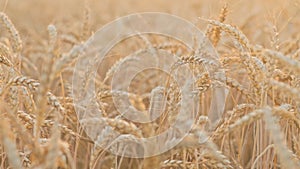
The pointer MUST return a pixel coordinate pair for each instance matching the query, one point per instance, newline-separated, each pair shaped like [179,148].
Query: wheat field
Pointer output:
[258,48]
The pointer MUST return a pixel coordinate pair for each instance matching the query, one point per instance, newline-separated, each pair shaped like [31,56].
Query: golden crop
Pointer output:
[258,43]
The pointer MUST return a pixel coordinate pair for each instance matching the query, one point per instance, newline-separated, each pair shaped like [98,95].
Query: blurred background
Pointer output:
[253,17]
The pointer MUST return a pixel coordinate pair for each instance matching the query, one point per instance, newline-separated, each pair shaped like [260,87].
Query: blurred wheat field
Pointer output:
[258,44]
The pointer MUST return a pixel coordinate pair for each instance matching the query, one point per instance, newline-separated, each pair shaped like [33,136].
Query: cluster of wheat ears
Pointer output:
[259,128]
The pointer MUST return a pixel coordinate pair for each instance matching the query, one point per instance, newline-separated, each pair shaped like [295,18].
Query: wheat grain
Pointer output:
[24,81]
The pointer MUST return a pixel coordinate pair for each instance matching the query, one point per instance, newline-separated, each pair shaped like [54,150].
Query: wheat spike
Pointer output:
[16,39]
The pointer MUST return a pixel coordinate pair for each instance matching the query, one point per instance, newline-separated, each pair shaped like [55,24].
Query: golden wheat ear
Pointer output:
[14,34]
